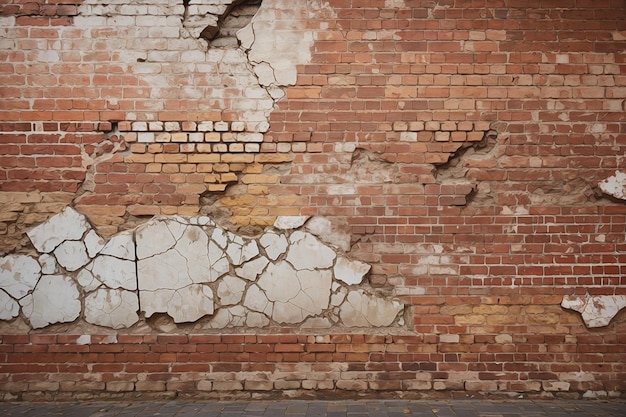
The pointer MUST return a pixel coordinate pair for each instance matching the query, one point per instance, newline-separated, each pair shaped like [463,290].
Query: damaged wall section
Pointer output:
[369,118]
[188,268]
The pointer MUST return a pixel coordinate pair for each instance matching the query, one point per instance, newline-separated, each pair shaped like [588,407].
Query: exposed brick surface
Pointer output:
[393,362]
[459,143]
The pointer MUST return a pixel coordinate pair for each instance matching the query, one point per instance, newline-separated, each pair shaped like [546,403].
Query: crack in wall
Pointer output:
[188,297]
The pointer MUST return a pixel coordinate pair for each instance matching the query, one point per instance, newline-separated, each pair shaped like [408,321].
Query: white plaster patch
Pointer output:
[116,309]
[338,297]
[186,304]
[157,236]
[113,272]
[238,251]
[327,233]
[596,310]
[218,261]
[274,244]
[350,272]
[94,243]
[86,279]
[272,43]
[9,308]
[54,300]
[67,225]
[230,290]
[615,186]
[173,260]
[229,317]
[220,237]
[251,269]
[254,319]
[290,222]
[296,294]
[71,255]
[256,300]
[48,264]
[18,274]
[120,246]
[306,252]
[364,310]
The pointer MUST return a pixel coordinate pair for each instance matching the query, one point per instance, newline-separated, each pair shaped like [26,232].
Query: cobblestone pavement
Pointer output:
[293,408]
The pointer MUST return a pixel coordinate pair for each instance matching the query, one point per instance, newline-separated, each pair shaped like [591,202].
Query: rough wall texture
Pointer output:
[472,154]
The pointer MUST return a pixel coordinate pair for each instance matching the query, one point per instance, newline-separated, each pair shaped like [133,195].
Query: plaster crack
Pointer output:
[112,143]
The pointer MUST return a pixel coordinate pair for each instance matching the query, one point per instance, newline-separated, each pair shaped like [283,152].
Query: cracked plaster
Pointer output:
[596,310]
[112,308]
[19,274]
[55,299]
[615,185]
[187,268]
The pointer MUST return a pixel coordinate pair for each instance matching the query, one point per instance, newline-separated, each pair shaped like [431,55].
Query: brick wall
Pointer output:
[459,144]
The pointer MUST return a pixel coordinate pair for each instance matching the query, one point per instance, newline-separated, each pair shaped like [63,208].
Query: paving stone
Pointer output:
[294,408]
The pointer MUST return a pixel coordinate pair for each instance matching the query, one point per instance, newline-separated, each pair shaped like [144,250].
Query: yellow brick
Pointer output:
[204,148]
[490,309]
[258,189]
[94,212]
[241,220]
[138,210]
[212,137]
[142,158]
[241,211]
[237,167]
[130,137]
[237,158]
[259,179]
[180,137]
[155,148]
[203,158]
[273,158]
[172,158]
[205,168]
[241,200]
[221,168]
[191,188]
[261,220]
[170,168]
[259,211]
[211,178]
[253,169]
[228,177]
[8,197]
[178,178]
[188,168]
[169,210]
[188,210]
[217,187]
[163,137]
[153,168]
[284,211]
[138,148]
[235,147]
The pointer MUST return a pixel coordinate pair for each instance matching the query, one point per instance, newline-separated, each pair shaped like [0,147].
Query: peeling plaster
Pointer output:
[615,185]
[189,269]
[596,310]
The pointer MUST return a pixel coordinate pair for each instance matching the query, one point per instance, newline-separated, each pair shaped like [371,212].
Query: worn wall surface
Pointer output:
[245,197]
